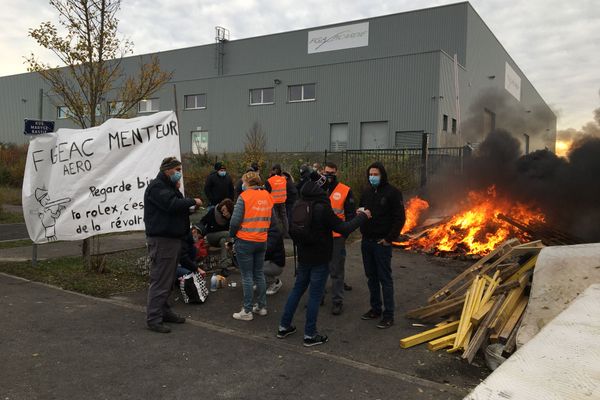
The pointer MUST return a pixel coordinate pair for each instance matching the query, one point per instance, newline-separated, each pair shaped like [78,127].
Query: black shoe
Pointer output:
[174,318]
[281,333]
[385,322]
[315,340]
[347,287]
[370,315]
[160,328]
[337,308]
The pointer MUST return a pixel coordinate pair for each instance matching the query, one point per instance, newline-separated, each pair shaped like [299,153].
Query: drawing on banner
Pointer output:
[84,182]
[50,211]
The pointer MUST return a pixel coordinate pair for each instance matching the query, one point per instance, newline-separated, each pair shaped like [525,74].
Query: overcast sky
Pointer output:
[555,42]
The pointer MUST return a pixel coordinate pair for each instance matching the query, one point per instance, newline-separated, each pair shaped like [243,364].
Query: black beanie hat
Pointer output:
[218,165]
[169,162]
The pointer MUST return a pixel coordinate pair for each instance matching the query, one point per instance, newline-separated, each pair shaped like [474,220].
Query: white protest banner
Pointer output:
[84,182]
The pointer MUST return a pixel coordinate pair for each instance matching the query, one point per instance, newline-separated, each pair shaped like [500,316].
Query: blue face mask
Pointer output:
[222,173]
[374,180]
[244,187]
[176,177]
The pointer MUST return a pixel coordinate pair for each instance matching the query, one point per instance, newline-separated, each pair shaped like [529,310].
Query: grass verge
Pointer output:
[68,273]
[7,217]
[10,244]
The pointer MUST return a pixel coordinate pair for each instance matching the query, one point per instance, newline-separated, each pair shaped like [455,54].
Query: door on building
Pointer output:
[374,135]
[339,137]
[199,142]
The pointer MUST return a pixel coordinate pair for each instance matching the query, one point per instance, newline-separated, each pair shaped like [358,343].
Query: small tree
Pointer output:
[92,54]
[255,145]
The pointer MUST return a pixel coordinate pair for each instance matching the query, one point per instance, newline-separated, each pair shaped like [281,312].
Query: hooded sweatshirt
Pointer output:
[386,206]
[322,223]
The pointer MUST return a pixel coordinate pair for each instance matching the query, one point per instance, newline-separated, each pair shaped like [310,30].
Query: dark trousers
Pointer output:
[164,254]
[377,261]
[336,270]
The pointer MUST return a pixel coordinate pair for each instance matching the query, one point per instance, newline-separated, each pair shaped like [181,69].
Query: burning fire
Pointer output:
[414,208]
[475,230]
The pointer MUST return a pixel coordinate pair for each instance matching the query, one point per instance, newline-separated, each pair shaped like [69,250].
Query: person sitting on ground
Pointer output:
[215,227]
[187,258]
[274,259]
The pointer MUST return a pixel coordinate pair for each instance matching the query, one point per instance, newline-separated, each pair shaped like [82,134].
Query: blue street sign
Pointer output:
[36,127]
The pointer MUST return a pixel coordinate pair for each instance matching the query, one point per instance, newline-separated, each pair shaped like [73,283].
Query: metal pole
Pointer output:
[526,143]
[34,248]
[424,149]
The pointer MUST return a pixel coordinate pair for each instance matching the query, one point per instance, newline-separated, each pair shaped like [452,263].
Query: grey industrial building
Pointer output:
[374,83]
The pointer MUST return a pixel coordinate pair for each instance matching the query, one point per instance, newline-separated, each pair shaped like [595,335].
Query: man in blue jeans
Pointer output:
[388,217]
[314,239]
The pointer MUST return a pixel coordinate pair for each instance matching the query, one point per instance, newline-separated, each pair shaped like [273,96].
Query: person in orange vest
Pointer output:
[280,188]
[342,203]
[249,225]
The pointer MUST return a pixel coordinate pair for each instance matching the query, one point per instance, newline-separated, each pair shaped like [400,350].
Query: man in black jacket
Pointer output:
[387,208]
[219,185]
[166,215]
[314,256]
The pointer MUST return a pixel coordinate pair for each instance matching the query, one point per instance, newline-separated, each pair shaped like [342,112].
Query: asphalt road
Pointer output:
[13,232]
[60,345]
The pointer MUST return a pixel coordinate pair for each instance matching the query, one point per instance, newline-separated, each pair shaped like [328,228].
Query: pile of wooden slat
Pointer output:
[483,304]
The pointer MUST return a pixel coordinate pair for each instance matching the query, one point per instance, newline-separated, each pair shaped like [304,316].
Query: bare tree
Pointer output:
[255,145]
[87,43]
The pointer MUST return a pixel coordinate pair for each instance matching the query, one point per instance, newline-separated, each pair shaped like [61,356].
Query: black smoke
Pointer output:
[565,189]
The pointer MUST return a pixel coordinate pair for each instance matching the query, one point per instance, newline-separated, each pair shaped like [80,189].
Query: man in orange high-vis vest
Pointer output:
[342,203]
[280,188]
[250,222]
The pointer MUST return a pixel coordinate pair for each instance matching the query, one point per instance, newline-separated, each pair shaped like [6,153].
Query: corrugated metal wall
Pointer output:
[405,76]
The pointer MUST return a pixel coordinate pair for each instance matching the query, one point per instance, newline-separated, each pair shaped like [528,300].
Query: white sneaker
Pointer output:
[244,316]
[260,311]
[274,287]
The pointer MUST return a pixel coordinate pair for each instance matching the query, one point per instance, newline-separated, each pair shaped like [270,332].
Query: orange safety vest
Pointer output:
[337,199]
[258,207]
[278,188]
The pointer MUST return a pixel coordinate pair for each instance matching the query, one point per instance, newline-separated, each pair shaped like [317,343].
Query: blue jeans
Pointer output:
[377,261]
[316,277]
[250,257]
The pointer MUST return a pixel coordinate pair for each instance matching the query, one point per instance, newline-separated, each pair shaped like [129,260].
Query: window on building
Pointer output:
[114,107]
[445,123]
[63,112]
[302,92]
[262,96]
[195,101]
[148,105]
[453,125]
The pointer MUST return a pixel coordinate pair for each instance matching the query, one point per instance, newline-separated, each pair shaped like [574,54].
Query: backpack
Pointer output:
[300,227]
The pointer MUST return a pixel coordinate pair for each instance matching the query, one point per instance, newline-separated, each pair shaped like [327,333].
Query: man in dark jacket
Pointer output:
[387,209]
[166,215]
[314,256]
[219,185]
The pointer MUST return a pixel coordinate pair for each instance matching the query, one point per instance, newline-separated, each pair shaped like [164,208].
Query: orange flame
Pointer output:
[477,229]
[414,207]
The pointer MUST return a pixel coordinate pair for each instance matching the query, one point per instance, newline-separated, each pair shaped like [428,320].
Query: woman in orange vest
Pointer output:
[249,225]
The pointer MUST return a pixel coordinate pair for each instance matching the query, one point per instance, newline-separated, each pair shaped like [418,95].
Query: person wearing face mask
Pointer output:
[387,208]
[166,216]
[342,203]
[215,226]
[218,185]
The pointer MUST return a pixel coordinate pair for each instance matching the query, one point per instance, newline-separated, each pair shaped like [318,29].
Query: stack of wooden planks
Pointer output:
[483,304]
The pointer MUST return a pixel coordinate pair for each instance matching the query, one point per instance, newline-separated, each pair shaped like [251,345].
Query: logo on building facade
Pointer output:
[338,38]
